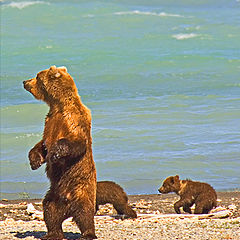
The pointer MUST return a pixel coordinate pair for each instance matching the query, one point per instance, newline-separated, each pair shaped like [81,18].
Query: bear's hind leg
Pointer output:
[198,209]
[130,212]
[84,218]
[123,208]
[54,214]
[203,207]
[120,207]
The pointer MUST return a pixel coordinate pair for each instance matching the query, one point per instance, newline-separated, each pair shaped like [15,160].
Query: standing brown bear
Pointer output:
[110,192]
[190,192]
[66,147]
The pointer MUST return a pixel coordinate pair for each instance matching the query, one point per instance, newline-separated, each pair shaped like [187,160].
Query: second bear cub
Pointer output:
[110,192]
[190,192]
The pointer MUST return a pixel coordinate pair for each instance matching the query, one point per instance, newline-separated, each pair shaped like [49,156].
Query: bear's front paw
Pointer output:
[52,157]
[36,160]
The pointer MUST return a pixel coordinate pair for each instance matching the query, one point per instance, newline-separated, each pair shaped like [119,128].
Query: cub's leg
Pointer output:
[129,212]
[203,207]
[177,206]
[120,207]
[123,208]
[184,202]
[187,208]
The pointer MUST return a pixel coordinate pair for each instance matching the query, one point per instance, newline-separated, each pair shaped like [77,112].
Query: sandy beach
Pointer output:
[22,219]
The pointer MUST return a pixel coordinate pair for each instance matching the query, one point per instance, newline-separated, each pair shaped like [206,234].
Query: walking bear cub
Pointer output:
[190,192]
[110,192]
[66,148]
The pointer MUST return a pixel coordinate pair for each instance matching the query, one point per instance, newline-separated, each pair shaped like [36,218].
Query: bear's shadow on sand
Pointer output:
[39,234]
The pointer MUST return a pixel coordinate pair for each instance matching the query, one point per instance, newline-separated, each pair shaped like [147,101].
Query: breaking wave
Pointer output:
[183,36]
[162,14]
[21,5]
[136,12]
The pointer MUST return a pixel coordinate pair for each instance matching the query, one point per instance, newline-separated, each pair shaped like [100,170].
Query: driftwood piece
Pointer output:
[220,214]
[215,215]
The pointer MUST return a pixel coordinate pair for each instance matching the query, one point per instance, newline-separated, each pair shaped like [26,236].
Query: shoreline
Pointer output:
[156,220]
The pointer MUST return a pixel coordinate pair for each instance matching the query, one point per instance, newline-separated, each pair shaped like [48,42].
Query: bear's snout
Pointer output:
[163,190]
[27,85]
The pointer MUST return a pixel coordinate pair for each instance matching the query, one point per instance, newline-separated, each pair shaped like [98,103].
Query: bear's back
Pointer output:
[200,189]
[110,192]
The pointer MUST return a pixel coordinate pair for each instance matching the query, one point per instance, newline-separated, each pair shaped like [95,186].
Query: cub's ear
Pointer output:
[63,68]
[176,178]
[172,180]
[53,72]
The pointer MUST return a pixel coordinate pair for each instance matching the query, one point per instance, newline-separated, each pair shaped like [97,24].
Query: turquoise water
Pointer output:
[162,79]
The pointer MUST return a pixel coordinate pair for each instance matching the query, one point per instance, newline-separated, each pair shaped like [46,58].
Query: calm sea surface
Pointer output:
[162,79]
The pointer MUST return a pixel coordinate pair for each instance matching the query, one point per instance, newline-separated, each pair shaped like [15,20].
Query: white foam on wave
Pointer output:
[162,14]
[89,16]
[136,12]
[28,135]
[21,5]
[183,36]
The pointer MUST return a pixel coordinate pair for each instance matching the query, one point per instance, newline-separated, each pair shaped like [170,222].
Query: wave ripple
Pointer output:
[21,5]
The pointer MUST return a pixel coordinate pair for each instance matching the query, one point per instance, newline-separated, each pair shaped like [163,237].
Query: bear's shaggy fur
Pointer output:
[66,147]
[110,192]
[190,192]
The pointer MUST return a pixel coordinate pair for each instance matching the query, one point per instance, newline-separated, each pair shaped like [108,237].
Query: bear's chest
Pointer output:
[55,129]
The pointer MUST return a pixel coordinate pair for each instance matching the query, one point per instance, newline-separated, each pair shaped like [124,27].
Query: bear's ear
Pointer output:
[63,68]
[172,180]
[176,178]
[53,72]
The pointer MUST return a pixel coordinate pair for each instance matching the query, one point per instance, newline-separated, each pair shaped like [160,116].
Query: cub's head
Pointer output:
[170,184]
[51,85]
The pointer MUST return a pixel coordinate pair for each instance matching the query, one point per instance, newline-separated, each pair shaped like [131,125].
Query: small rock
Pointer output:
[217,209]
[30,209]
[22,203]
[232,207]
[9,220]
[34,213]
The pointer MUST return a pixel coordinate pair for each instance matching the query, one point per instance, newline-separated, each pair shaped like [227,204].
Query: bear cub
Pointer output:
[190,192]
[110,192]
[66,148]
